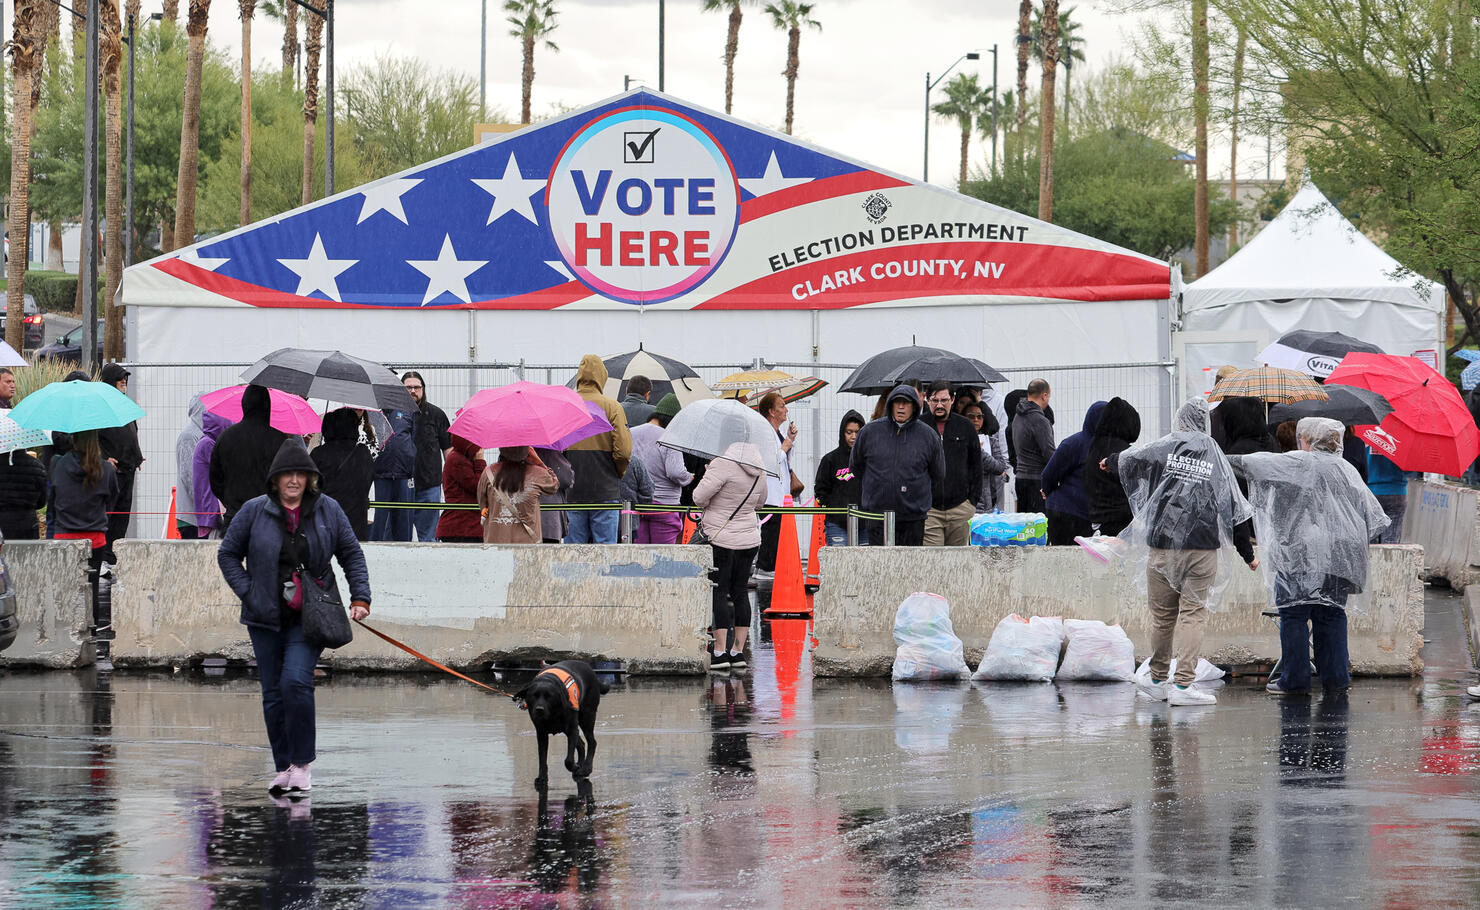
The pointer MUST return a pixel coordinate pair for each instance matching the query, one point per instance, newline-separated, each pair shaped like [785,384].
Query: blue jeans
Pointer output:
[1299,624]
[837,535]
[392,524]
[592,527]
[285,665]
[425,520]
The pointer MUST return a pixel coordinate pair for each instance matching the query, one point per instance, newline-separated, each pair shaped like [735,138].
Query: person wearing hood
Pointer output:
[1063,483]
[22,492]
[1032,440]
[187,523]
[598,461]
[666,468]
[244,452]
[346,468]
[1244,430]
[734,486]
[953,496]
[1314,517]
[1185,500]
[120,446]
[994,456]
[394,468]
[207,506]
[897,460]
[1118,429]
[509,493]
[836,487]
[461,472]
[274,540]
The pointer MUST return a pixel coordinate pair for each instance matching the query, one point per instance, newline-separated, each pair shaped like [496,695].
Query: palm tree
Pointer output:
[732,43]
[1050,48]
[312,44]
[791,16]
[966,102]
[532,21]
[1200,143]
[110,48]
[1071,46]
[286,12]
[22,71]
[48,39]
[247,9]
[1006,114]
[172,10]
[195,55]
[1025,47]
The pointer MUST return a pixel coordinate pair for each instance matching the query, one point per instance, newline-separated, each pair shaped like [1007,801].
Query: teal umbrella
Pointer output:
[72,407]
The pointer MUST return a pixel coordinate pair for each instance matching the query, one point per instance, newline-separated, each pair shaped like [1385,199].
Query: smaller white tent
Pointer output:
[1311,269]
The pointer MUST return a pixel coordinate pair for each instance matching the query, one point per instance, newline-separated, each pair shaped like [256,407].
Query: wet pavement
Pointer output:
[762,789]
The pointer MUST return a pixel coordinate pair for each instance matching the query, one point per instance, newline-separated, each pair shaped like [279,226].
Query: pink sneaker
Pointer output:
[299,778]
[280,783]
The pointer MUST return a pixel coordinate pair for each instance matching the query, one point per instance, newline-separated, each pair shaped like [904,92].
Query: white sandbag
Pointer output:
[1205,672]
[1023,649]
[1097,651]
[928,646]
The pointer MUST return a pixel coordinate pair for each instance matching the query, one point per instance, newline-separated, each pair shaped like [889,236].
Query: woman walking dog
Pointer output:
[291,530]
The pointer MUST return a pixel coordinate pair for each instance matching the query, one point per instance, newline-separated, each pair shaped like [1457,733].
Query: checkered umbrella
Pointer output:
[333,376]
[1270,384]
[667,374]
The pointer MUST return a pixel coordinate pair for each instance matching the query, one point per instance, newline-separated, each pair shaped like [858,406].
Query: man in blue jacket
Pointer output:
[897,460]
[1063,484]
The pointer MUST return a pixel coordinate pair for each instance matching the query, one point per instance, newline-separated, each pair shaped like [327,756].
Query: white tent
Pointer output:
[1311,269]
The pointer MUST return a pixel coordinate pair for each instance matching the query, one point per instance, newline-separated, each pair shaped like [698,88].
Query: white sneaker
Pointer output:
[1473,691]
[280,783]
[1150,688]
[300,778]
[1187,695]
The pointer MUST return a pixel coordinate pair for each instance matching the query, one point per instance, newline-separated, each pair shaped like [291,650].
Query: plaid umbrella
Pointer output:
[1269,383]
[332,376]
[753,385]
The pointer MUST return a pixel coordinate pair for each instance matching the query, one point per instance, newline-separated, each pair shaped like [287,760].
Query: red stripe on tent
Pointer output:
[255,295]
[994,269]
[816,191]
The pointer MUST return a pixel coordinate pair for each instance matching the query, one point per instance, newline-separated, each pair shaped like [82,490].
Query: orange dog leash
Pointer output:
[420,656]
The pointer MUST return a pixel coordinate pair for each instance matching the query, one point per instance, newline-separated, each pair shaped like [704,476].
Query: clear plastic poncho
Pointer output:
[1313,516]
[1185,502]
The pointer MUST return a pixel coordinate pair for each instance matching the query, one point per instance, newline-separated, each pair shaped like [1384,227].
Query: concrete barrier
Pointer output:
[1444,519]
[54,604]
[862,588]
[462,604]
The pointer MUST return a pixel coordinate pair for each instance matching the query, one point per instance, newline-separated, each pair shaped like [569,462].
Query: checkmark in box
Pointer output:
[638,148]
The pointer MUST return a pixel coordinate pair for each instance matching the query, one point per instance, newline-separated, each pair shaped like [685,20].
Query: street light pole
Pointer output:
[929,86]
[483,67]
[994,109]
[128,183]
[88,266]
[660,44]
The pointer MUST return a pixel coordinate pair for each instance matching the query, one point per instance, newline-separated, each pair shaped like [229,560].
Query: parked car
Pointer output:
[35,332]
[69,347]
[10,622]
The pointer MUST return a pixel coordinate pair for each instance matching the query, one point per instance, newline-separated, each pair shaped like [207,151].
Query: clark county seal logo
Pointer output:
[876,207]
[643,204]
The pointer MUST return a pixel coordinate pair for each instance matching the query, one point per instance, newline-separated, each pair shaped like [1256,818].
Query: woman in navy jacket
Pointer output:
[292,528]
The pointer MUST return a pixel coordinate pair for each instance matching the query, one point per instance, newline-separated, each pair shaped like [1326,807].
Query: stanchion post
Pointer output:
[624,523]
[888,529]
[852,528]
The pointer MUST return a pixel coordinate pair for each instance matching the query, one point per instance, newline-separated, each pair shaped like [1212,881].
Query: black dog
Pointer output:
[563,699]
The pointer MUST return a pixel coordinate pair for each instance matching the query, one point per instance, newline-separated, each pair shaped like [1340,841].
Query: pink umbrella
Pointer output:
[521,414]
[290,413]
[597,425]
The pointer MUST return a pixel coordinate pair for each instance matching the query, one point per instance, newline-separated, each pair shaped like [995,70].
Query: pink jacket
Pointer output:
[733,480]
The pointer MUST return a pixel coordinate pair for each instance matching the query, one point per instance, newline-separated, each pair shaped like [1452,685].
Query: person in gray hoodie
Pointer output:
[897,460]
[1032,440]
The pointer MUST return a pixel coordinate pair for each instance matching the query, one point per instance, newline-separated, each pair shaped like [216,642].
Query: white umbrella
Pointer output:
[706,428]
[9,357]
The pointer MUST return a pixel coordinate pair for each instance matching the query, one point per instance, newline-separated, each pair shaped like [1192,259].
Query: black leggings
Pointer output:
[731,593]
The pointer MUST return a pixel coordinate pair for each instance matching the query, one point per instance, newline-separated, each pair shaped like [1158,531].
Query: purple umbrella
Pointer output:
[598,425]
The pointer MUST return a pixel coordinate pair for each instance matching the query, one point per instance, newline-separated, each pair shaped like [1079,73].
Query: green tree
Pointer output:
[533,21]
[966,102]
[732,41]
[196,22]
[791,17]
[1049,47]
[400,111]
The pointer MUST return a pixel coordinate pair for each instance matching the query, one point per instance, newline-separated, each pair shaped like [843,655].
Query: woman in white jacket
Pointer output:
[732,488]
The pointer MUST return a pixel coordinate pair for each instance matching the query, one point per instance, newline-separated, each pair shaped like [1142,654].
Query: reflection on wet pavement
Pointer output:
[762,789]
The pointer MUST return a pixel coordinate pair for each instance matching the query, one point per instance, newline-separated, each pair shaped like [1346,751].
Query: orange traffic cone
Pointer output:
[689,525]
[171,529]
[787,592]
[813,578]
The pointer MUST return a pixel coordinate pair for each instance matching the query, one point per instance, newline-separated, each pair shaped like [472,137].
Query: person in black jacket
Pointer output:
[835,486]
[22,492]
[433,442]
[346,468]
[1118,429]
[120,446]
[1245,430]
[954,496]
[244,453]
[897,460]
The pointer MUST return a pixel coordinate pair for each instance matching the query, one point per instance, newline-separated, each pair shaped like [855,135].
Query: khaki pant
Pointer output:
[1177,583]
[949,527]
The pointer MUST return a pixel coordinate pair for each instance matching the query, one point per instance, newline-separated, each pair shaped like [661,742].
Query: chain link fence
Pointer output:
[164,391]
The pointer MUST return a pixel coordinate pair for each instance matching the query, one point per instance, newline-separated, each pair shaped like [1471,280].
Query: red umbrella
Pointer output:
[1430,428]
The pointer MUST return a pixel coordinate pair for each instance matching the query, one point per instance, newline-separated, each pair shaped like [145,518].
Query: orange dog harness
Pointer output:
[572,688]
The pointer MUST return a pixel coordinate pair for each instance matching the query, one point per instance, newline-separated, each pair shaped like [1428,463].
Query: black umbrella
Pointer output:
[667,374]
[332,376]
[882,372]
[1312,352]
[1352,406]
